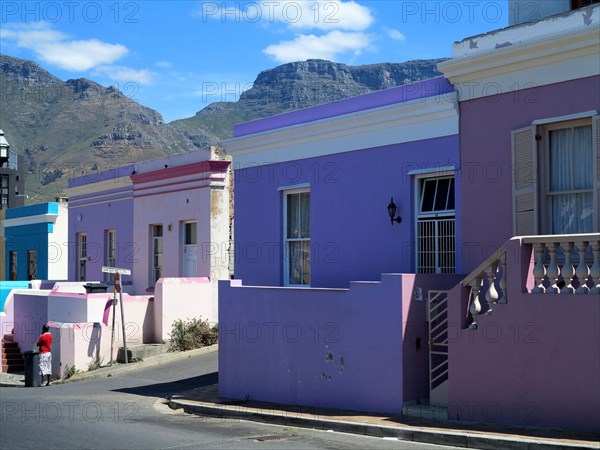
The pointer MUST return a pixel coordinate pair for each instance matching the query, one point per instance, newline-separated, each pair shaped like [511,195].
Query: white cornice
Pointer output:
[30,220]
[415,120]
[99,187]
[553,59]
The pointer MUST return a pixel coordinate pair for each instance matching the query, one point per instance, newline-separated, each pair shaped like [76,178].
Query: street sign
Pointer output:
[107,269]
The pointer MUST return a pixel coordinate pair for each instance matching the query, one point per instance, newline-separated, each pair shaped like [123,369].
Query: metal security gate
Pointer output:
[437,318]
[436,245]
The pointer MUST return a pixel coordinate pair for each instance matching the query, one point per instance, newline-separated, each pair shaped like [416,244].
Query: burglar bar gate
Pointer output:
[437,317]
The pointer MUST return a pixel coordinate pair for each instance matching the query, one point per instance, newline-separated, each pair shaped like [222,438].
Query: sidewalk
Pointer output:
[18,379]
[205,401]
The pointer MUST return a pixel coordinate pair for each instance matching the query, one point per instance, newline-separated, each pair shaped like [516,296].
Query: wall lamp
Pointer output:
[392,212]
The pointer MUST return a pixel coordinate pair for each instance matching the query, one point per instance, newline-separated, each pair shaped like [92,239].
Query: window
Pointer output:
[297,238]
[189,250]
[81,256]
[12,257]
[110,253]
[436,252]
[3,191]
[157,253]
[569,180]
[556,177]
[31,265]
[576,4]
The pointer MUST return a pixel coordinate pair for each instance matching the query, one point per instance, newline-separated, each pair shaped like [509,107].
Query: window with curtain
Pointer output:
[297,238]
[570,193]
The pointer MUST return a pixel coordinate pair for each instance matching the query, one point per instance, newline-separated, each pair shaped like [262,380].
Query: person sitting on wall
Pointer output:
[45,344]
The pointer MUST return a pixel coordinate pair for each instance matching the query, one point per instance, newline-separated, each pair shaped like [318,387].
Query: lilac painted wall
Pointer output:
[316,347]
[351,234]
[95,219]
[533,361]
[485,146]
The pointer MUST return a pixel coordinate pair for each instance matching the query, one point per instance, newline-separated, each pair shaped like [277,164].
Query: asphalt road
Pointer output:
[129,412]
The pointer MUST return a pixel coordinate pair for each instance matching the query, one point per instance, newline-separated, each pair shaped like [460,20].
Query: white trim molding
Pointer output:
[550,59]
[30,220]
[415,120]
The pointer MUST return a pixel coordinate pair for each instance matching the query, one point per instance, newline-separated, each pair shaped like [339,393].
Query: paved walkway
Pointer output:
[206,402]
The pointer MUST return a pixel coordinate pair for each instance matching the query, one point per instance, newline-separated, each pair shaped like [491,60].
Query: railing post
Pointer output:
[568,270]
[582,271]
[503,281]
[475,306]
[491,296]
[553,270]
[595,270]
[539,271]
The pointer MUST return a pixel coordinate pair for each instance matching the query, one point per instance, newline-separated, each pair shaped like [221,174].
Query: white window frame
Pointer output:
[442,215]
[153,239]
[545,194]
[184,224]
[81,256]
[286,261]
[110,253]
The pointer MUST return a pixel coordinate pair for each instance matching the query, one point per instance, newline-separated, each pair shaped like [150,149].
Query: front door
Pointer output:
[190,250]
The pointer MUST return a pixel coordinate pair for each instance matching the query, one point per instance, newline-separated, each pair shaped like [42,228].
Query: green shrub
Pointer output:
[70,371]
[95,364]
[190,334]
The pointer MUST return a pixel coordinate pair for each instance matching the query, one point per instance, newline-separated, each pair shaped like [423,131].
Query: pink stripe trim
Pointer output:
[189,169]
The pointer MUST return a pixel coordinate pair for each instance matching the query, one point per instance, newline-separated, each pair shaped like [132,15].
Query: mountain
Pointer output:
[74,127]
[299,85]
[65,129]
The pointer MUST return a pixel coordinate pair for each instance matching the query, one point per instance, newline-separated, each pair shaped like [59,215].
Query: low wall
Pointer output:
[30,315]
[181,298]
[78,345]
[335,348]
[533,361]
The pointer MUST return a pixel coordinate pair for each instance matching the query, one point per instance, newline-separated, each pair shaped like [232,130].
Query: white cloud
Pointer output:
[60,50]
[396,35]
[310,46]
[166,64]
[300,15]
[126,74]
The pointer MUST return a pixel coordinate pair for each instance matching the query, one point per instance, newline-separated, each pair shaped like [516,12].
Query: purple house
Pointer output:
[468,206]
[530,131]
[325,196]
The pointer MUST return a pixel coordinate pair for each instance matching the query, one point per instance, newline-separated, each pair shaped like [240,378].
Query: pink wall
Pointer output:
[533,361]
[485,187]
[30,315]
[181,298]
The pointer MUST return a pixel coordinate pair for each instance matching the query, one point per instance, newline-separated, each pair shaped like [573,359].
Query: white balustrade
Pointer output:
[565,261]
[563,264]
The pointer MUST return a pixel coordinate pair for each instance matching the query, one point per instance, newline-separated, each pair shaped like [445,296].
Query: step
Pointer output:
[12,369]
[11,351]
[12,358]
[9,337]
[10,345]
[142,351]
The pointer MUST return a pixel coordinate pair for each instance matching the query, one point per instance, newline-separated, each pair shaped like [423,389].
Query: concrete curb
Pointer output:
[119,369]
[461,438]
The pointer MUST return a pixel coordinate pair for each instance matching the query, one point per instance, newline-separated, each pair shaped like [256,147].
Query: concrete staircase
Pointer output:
[12,358]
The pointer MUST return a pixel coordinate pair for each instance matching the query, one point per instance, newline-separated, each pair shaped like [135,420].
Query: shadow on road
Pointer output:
[172,387]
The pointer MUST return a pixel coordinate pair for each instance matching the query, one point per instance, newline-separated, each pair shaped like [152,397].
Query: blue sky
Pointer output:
[179,56]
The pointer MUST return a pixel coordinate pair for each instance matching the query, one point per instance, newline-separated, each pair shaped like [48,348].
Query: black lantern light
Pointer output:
[392,212]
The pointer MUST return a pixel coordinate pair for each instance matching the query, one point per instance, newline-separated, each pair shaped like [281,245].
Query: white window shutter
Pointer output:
[525,175]
[596,148]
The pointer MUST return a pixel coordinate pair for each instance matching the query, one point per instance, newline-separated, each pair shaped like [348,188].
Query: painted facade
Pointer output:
[163,218]
[528,106]
[342,163]
[36,242]
[529,127]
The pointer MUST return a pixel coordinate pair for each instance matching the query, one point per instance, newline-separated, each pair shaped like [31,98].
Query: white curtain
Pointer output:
[298,234]
[571,169]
